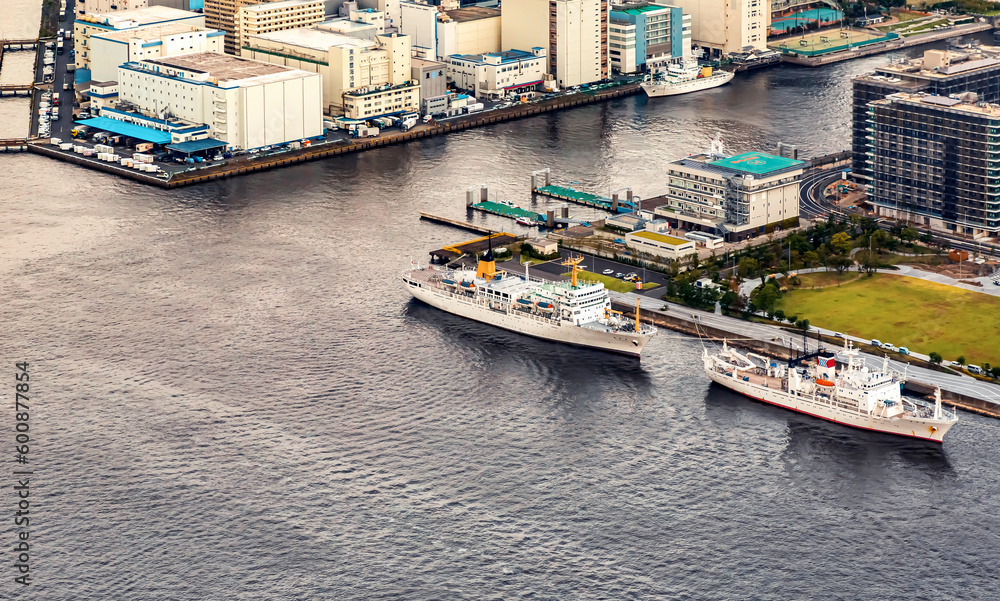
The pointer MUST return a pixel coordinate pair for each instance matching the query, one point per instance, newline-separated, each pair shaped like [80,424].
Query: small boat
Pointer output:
[526,221]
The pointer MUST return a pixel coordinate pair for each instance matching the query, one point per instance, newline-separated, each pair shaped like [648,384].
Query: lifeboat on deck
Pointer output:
[822,382]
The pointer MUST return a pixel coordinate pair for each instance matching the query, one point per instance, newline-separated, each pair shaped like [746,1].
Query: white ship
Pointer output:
[574,312]
[679,79]
[856,397]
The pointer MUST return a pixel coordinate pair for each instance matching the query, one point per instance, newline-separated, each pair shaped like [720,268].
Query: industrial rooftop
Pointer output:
[267,6]
[471,13]
[969,105]
[151,33]
[224,67]
[149,15]
[317,39]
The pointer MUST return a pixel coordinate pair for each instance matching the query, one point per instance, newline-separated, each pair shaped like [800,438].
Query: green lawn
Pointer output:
[922,316]
[611,283]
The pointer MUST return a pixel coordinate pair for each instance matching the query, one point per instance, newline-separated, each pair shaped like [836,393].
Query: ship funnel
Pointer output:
[487,267]
[826,365]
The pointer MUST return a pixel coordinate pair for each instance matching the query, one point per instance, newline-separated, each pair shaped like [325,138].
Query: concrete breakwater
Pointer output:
[321,151]
[687,325]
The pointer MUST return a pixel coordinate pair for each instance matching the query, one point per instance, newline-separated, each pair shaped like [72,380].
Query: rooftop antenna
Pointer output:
[716,147]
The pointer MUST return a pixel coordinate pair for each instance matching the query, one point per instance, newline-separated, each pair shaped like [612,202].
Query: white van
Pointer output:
[974,369]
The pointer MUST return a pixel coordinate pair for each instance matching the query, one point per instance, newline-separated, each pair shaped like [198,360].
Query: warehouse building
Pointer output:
[110,50]
[361,78]
[243,104]
[660,245]
[105,23]
[275,16]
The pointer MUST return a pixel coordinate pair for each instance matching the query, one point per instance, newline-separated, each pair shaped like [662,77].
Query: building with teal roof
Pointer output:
[641,31]
[739,196]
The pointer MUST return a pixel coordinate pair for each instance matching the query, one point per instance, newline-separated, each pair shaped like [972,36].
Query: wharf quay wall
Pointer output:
[321,151]
[688,325]
[916,40]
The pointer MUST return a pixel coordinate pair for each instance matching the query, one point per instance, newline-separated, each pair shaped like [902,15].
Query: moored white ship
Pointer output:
[856,396]
[678,79]
[574,312]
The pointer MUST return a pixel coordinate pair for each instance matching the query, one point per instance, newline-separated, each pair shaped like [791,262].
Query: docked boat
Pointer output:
[751,58]
[681,79]
[576,312]
[526,221]
[855,396]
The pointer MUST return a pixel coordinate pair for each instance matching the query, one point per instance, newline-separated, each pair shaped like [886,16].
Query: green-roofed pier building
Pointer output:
[736,197]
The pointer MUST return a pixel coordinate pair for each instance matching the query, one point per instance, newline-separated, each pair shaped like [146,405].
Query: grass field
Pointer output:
[923,316]
[611,283]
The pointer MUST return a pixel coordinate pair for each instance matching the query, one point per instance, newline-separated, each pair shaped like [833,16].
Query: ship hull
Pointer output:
[615,342]
[654,90]
[902,426]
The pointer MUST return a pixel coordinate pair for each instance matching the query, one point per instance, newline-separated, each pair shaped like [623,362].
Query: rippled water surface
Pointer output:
[234,398]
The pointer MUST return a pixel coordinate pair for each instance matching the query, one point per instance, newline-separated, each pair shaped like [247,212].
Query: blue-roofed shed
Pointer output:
[196,146]
[146,134]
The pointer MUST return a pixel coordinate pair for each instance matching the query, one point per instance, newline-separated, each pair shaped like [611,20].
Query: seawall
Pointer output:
[322,151]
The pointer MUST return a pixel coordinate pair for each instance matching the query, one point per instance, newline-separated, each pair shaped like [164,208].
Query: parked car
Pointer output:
[974,369]
[619,275]
[904,351]
[608,271]
[888,347]
[877,343]
[838,335]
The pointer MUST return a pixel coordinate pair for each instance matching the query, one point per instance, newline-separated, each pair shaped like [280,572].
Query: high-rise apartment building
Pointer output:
[225,15]
[574,32]
[939,72]
[276,16]
[935,161]
[724,26]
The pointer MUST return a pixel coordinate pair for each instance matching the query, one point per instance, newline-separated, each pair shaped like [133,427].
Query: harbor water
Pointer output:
[233,397]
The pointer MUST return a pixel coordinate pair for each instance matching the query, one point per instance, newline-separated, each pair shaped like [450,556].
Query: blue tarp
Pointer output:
[196,145]
[146,134]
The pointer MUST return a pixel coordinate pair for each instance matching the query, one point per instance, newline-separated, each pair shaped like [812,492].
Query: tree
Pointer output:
[841,263]
[803,324]
[792,319]
[810,258]
[730,300]
[909,234]
[960,360]
[935,358]
[995,372]
[841,241]
[747,268]
[779,315]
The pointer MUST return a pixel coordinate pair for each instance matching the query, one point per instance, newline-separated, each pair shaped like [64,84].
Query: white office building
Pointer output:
[497,74]
[574,34]
[245,104]
[110,50]
[725,26]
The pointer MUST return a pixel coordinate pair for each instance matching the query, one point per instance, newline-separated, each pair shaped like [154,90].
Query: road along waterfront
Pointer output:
[233,373]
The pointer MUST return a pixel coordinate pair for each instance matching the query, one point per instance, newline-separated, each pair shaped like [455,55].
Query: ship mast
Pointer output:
[636,316]
[573,261]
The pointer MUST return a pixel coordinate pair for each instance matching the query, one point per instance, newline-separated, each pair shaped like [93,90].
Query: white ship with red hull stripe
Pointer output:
[856,396]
